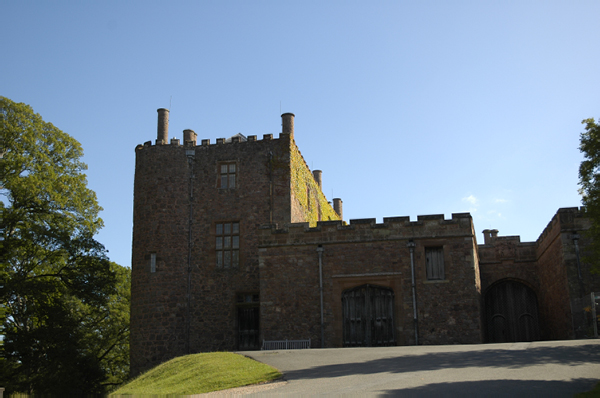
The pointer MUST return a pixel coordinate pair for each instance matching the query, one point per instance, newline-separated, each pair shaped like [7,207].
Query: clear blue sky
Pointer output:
[408,107]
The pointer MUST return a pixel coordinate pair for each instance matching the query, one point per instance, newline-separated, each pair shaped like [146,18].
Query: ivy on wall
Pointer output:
[307,193]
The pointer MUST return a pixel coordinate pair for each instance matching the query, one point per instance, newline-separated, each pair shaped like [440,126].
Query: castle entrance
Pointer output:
[248,321]
[368,316]
[511,313]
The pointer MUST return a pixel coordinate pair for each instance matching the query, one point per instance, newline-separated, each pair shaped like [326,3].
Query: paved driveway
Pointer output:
[544,369]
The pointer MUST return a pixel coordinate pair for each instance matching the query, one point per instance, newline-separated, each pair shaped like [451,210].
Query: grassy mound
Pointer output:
[199,373]
[595,392]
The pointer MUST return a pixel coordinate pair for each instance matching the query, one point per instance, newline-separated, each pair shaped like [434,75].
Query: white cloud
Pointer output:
[471,199]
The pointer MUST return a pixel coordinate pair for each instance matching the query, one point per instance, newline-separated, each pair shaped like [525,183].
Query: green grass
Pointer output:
[199,373]
[595,392]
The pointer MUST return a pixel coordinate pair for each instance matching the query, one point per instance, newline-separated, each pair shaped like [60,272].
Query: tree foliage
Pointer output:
[66,317]
[589,180]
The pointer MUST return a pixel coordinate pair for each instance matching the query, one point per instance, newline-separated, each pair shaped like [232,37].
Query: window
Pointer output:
[228,244]
[246,298]
[434,257]
[152,262]
[227,173]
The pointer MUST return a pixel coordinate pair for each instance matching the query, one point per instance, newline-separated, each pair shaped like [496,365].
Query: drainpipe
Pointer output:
[270,187]
[411,246]
[575,238]
[320,251]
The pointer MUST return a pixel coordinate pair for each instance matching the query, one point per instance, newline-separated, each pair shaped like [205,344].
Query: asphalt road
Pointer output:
[538,369]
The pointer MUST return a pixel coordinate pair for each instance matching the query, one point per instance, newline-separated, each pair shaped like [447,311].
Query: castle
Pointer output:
[234,244]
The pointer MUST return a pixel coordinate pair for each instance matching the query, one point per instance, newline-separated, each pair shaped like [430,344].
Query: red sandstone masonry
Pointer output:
[366,252]
[162,202]
[549,267]
[177,202]
[558,272]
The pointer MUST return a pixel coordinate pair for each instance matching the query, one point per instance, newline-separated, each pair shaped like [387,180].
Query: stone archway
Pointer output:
[368,312]
[511,313]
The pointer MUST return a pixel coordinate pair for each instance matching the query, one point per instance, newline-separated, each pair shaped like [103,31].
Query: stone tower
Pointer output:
[197,210]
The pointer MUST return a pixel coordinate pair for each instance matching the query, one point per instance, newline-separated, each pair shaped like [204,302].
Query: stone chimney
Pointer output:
[337,206]
[287,124]
[489,236]
[162,136]
[317,174]
[189,137]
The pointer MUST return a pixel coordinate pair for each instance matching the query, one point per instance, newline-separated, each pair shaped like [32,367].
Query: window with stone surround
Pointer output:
[227,235]
[227,175]
[434,257]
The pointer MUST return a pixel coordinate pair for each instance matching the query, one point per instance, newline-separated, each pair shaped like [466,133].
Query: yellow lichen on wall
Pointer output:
[312,202]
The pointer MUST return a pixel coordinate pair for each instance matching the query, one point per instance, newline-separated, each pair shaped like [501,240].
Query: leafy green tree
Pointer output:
[107,329]
[65,304]
[589,180]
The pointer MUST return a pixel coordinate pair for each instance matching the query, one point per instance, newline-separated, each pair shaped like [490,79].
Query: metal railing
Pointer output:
[285,345]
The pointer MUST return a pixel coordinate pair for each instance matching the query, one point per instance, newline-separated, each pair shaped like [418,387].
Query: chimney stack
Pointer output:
[287,124]
[489,235]
[189,137]
[162,136]
[337,206]
[317,174]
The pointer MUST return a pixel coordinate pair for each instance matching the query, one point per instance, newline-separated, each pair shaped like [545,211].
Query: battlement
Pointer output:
[367,229]
[174,142]
[245,222]
[566,218]
[190,137]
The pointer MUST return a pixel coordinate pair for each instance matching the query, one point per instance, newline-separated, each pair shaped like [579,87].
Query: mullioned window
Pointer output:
[227,245]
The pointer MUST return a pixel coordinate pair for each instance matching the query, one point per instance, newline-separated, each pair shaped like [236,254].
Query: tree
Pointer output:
[64,301]
[589,180]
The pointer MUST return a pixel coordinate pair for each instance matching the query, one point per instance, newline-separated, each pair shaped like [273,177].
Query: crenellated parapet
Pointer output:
[191,142]
[550,266]
[569,220]
[367,229]
[497,249]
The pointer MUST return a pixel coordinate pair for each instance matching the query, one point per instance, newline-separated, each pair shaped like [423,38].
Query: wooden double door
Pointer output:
[511,313]
[368,312]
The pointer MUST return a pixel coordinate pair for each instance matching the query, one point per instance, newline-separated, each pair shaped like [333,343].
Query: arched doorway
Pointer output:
[511,313]
[368,316]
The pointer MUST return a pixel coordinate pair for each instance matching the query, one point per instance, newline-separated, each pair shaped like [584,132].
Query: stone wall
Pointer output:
[308,202]
[365,252]
[183,302]
[567,280]
[177,203]
[506,257]
[560,278]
